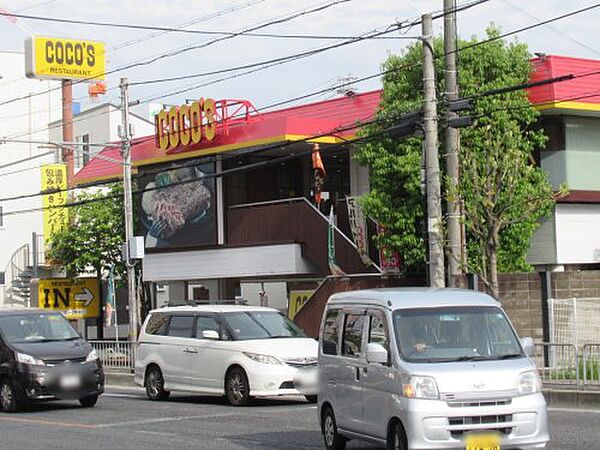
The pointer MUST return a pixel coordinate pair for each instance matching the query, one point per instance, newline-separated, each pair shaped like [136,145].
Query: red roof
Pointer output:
[321,119]
[582,92]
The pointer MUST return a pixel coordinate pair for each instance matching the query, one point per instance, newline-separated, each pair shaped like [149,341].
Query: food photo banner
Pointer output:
[177,206]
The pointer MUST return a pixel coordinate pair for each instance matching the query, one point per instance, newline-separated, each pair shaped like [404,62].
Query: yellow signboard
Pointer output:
[64,59]
[297,300]
[56,217]
[76,298]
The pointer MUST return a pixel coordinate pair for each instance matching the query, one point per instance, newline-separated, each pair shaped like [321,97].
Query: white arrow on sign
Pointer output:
[85,296]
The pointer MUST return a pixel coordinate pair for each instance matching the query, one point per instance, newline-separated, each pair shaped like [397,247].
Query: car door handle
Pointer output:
[190,350]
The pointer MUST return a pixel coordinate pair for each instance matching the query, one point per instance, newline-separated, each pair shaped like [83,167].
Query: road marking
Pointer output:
[574,410]
[122,395]
[163,420]
[50,423]
[159,433]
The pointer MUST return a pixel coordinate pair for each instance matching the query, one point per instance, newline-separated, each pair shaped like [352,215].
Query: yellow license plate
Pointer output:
[482,442]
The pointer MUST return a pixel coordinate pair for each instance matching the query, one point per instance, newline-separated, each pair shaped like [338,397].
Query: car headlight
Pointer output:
[420,387]
[529,383]
[29,360]
[264,359]
[92,356]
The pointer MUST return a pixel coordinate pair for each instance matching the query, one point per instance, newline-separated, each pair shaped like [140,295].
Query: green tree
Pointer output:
[94,239]
[503,192]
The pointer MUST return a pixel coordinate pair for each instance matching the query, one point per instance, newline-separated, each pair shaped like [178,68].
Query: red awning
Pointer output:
[286,125]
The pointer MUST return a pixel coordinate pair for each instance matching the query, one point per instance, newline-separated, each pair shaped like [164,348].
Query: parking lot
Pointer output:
[124,419]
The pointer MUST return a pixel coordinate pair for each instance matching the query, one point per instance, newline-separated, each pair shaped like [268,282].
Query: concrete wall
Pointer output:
[521,296]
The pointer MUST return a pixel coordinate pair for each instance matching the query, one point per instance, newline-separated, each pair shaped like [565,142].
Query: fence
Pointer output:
[567,365]
[591,365]
[574,320]
[116,356]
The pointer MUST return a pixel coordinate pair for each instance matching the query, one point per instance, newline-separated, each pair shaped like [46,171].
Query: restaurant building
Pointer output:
[231,212]
[230,209]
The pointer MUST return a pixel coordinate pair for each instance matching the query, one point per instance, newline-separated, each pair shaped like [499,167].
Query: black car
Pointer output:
[42,357]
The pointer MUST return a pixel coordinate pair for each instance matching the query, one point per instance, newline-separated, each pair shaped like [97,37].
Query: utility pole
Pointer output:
[432,164]
[67,127]
[128,205]
[453,207]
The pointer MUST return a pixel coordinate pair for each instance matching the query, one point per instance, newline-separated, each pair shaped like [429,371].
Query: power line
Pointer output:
[31,158]
[205,18]
[497,91]
[250,167]
[169,29]
[194,47]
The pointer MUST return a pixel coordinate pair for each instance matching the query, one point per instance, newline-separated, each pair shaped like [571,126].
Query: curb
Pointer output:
[554,397]
[572,398]
[119,379]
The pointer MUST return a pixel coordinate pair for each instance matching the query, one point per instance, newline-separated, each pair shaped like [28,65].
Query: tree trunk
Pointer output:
[492,250]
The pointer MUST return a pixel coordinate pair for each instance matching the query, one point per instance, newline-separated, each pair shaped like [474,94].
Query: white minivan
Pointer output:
[421,368]
[239,351]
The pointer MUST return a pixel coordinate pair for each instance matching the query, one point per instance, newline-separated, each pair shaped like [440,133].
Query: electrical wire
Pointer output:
[273,161]
[193,47]
[240,33]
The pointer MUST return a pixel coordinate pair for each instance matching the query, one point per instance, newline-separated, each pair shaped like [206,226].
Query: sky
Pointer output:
[575,36]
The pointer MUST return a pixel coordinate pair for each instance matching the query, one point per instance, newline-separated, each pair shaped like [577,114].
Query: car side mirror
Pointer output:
[210,334]
[377,353]
[528,346]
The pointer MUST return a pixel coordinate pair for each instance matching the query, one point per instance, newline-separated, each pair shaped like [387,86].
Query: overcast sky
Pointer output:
[575,36]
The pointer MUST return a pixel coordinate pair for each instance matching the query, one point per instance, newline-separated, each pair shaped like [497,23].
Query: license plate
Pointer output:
[482,442]
[70,381]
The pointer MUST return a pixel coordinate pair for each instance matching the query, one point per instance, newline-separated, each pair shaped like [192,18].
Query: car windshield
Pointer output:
[261,325]
[28,328]
[429,335]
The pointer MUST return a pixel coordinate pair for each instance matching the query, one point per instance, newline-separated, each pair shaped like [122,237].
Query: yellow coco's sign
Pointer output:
[64,59]
[186,124]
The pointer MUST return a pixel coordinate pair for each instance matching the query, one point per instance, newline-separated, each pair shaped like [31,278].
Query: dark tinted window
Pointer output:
[157,324]
[31,328]
[353,332]
[181,326]
[330,333]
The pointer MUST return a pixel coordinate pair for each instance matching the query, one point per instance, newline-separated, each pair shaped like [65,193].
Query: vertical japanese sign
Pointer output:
[358,226]
[54,177]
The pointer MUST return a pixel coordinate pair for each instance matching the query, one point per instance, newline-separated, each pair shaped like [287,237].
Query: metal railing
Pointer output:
[591,365]
[18,263]
[557,364]
[116,356]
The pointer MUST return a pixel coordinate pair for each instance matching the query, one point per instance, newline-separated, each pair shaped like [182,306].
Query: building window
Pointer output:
[82,152]
[1,278]
[1,217]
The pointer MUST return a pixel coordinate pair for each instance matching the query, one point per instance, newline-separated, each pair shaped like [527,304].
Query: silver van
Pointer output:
[421,368]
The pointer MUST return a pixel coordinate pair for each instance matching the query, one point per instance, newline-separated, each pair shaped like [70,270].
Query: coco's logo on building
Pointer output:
[186,124]
[64,59]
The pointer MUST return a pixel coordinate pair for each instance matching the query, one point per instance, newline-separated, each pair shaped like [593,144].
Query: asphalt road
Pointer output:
[124,419]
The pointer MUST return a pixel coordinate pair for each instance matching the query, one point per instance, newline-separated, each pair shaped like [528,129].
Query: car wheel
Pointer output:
[89,401]
[155,385]
[237,387]
[8,397]
[333,440]
[311,398]
[397,438]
